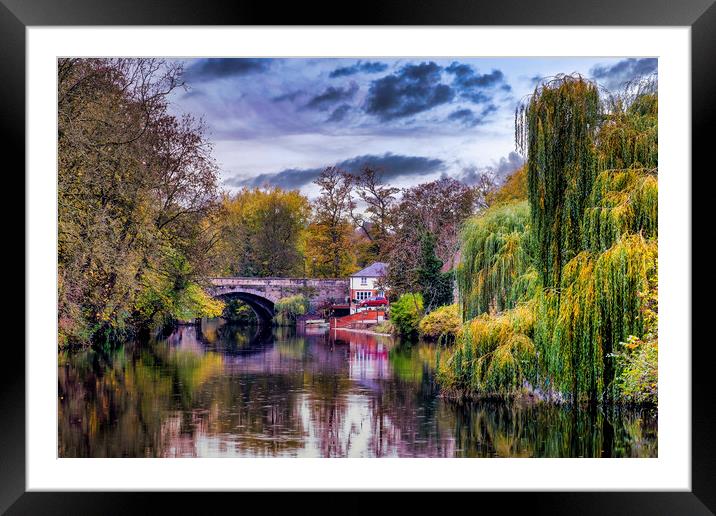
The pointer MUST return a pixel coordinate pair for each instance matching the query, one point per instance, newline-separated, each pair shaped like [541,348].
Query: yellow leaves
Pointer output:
[622,202]
[514,188]
[632,342]
[597,307]
[493,354]
[328,252]
[251,204]
[261,232]
[591,232]
[442,323]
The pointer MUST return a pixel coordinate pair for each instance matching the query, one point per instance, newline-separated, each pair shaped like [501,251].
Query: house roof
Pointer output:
[375,269]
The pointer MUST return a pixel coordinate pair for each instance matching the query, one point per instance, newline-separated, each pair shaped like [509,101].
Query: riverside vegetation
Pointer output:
[558,283]
[556,269]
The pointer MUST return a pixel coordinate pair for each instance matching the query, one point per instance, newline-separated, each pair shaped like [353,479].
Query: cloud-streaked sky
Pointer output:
[281,121]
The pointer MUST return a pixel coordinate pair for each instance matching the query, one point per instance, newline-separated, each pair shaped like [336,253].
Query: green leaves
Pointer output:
[557,129]
[494,273]
[260,233]
[494,355]
[406,312]
[288,308]
[583,259]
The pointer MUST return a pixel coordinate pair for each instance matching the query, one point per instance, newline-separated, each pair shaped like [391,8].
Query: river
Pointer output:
[227,391]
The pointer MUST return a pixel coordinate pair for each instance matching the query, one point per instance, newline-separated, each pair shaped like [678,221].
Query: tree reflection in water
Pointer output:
[228,391]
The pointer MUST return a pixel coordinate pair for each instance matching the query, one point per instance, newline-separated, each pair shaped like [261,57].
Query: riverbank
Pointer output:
[366,332]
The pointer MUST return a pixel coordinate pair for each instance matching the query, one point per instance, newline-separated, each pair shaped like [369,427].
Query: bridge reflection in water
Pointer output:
[227,391]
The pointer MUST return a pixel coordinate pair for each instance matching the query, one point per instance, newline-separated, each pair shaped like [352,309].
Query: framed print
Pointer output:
[434,250]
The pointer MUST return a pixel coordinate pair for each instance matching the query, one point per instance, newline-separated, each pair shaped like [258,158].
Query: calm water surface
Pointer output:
[226,391]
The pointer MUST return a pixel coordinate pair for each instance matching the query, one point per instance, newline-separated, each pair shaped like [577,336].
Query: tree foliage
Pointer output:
[288,308]
[134,185]
[328,237]
[554,294]
[598,305]
[442,324]
[406,312]
[628,137]
[494,355]
[557,128]
[513,189]
[637,359]
[261,233]
[435,286]
[497,268]
[437,208]
[376,220]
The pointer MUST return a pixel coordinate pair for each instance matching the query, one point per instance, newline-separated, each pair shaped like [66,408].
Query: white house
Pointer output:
[367,283]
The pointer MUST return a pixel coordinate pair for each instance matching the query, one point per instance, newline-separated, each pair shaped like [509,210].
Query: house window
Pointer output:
[363,280]
[362,294]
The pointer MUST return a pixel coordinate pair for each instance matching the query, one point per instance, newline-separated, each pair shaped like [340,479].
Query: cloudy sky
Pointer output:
[281,121]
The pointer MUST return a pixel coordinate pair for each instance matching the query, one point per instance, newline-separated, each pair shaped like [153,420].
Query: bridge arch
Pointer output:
[262,307]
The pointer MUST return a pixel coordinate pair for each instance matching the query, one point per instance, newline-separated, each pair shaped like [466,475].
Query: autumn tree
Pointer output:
[375,219]
[134,183]
[328,236]
[514,188]
[261,233]
[438,208]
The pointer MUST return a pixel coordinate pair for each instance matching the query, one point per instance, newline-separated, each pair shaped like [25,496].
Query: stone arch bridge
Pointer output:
[261,293]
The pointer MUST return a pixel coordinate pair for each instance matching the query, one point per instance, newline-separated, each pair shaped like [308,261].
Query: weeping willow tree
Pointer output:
[597,306]
[556,128]
[628,136]
[624,196]
[594,289]
[622,202]
[288,308]
[553,294]
[494,355]
[495,272]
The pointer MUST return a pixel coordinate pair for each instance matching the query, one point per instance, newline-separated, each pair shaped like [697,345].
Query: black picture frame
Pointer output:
[700,15]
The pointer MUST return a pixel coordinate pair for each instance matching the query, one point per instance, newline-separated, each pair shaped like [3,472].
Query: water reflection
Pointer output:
[227,391]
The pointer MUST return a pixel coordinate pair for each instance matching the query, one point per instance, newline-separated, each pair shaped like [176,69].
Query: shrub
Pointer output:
[288,308]
[494,354]
[441,324]
[406,313]
[639,363]
[384,327]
